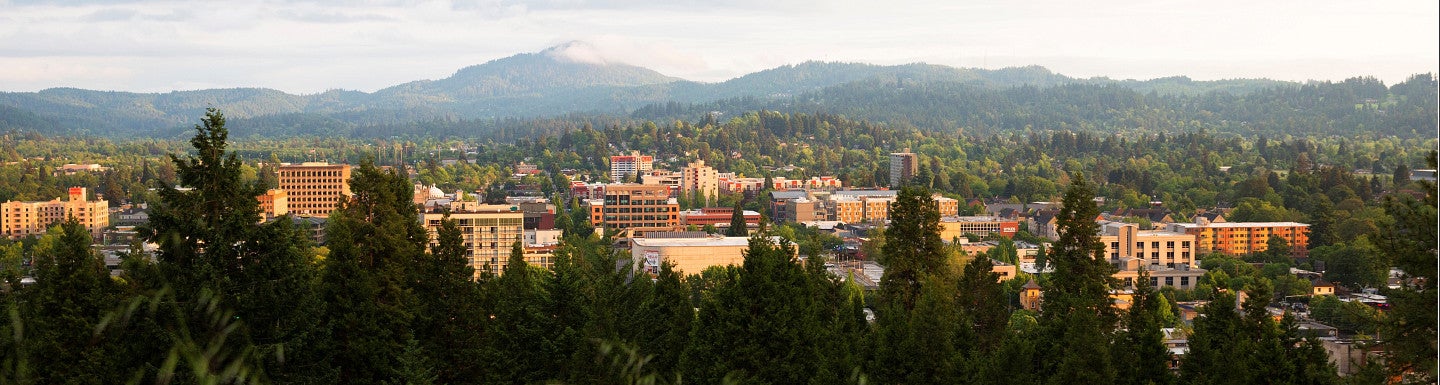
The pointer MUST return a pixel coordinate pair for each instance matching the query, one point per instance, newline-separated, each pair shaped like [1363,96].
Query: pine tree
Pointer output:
[449,323]
[1141,348]
[62,310]
[204,232]
[764,328]
[737,223]
[669,316]
[521,332]
[375,241]
[1409,331]
[1077,314]
[209,240]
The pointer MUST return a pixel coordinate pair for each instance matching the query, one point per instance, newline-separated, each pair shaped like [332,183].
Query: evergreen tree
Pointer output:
[521,334]
[209,240]
[1141,348]
[62,310]
[737,223]
[912,247]
[203,233]
[375,241]
[449,323]
[669,316]
[764,328]
[1409,331]
[1077,314]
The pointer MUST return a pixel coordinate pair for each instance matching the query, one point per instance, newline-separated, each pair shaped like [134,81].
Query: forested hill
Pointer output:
[563,82]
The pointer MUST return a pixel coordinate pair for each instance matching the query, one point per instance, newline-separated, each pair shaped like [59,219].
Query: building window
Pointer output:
[1169,281]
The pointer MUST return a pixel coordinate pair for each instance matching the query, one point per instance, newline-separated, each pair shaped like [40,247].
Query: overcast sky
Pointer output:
[313,46]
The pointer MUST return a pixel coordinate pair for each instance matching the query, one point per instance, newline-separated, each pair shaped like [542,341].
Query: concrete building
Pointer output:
[637,207]
[1241,238]
[314,188]
[1153,248]
[274,203]
[717,216]
[700,181]
[690,255]
[488,231]
[623,166]
[22,219]
[903,166]
[956,226]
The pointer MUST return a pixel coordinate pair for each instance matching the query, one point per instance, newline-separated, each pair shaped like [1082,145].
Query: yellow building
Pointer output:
[314,188]
[488,232]
[274,203]
[957,227]
[23,219]
[700,181]
[690,255]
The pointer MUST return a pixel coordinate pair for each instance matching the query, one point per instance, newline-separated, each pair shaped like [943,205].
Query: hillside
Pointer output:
[569,79]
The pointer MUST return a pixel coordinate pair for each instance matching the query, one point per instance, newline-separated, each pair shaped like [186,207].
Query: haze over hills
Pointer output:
[560,80]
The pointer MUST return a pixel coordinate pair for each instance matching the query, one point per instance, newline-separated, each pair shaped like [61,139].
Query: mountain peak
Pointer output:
[576,51]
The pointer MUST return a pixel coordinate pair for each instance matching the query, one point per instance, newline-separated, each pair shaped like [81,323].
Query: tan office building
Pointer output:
[314,188]
[637,207]
[700,181]
[690,255]
[488,232]
[274,203]
[22,219]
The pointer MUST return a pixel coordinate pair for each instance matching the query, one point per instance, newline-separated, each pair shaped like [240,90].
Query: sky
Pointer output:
[312,46]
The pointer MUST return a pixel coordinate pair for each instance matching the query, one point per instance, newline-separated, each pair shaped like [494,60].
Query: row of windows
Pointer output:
[297,174]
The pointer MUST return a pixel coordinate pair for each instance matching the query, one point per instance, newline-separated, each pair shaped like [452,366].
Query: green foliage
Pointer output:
[1410,326]
[375,241]
[1076,314]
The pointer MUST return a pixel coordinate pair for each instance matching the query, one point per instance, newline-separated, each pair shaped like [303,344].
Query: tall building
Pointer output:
[23,219]
[903,166]
[700,182]
[627,166]
[488,231]
[1240,238]
[314,188]
[636,206]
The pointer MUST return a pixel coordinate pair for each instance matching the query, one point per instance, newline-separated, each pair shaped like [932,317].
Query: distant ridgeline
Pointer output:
[507,96]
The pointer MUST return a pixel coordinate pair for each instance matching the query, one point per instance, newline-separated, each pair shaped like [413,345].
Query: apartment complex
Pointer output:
[1240,238]
[700,181]
[903,166]
[623,166]
[488,231]
[848,206]
[636,206]
[314,188]
[22,219]
[1167,256]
